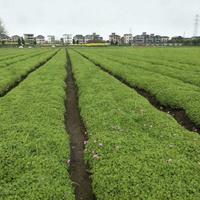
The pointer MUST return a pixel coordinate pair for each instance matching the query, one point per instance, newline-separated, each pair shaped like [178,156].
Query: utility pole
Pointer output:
[130,30]
[196,26]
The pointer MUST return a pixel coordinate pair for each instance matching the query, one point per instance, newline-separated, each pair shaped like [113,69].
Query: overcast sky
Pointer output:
[166,17]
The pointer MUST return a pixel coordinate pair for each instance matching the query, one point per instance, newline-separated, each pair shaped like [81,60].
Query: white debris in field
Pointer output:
[117,147]
[96,157]
[100,145]
[85,142]
[169,160]
[68,162]
[194,129]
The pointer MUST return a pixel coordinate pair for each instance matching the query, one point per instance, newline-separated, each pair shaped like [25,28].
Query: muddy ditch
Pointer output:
[178,114]
[79,170]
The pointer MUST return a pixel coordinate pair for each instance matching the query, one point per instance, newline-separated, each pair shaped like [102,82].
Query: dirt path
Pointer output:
[178,114]
[78,169]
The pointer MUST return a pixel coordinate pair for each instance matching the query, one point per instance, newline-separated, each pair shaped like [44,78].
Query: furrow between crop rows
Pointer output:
[79,171]
[178,114]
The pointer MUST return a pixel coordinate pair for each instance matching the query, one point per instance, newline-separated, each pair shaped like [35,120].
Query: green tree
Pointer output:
[2,28]
[62,41]
[19,42]
[34,42]
[23,41]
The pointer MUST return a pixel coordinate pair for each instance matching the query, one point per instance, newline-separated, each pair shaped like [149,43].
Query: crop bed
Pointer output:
[100,124]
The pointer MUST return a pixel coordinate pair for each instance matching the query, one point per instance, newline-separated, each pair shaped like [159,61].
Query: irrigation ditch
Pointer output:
[12,86]
[79,170]
[178,114]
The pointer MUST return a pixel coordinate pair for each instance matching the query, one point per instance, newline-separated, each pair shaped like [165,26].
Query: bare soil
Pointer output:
[79,171]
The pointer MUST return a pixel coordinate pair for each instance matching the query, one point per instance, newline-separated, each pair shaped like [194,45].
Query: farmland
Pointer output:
[100,123]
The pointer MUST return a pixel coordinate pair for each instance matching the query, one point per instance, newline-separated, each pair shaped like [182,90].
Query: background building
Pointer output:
[93,38]
[151,39]
[67,38]
[88,38]
[140,39]
[15,38]
[40,39]
[29,38]
[79,39]
[114,39]
[165,39]
[128,39]
[4,37]
[51,39]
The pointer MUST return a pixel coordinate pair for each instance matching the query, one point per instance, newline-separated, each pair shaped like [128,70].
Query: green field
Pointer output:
[134,148]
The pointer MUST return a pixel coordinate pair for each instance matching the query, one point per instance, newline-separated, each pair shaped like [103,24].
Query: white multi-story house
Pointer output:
[40,39]
[51,39]
[67,38]
[141,39]
[114,39]
[164,39]
[88,38]
[151,39]
[4,37]
[15,38]
[128,38]
[29,38]
[79,39]
[93,38]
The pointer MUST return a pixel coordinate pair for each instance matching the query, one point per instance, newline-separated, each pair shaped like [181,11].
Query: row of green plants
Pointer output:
[9,53]
[13,73]
[34,146]
[180,58]
[134,151]
[168,91]
[185,74]
[186,56]
[19,58]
